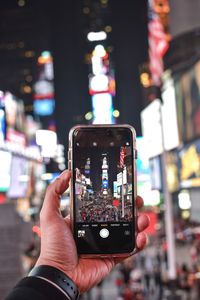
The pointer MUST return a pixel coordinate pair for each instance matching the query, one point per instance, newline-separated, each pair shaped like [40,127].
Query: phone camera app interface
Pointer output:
[103,172]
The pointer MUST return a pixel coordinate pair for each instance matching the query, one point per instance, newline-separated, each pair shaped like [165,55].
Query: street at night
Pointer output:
[100,150]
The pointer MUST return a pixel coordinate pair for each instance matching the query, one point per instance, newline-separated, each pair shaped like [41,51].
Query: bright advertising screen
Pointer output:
[2,119]
[5,162]
[190,165]
[19,178]
[187,89]
[2,124]
[169,115]
[44,107]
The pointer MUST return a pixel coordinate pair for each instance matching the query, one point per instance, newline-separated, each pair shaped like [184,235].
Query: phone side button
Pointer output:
[69,165]
[69,154]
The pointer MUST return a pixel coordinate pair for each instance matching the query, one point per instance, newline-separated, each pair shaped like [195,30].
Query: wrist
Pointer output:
[58,278]
[60,266]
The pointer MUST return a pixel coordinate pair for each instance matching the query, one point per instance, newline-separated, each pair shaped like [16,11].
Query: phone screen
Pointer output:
[103,177]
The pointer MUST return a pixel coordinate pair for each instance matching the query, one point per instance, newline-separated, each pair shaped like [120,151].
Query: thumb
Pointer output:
[54,191]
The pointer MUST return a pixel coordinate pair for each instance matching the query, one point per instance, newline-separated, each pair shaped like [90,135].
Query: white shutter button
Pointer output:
[104,233]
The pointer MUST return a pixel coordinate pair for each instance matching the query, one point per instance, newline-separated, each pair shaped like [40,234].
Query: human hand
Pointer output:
[58,247]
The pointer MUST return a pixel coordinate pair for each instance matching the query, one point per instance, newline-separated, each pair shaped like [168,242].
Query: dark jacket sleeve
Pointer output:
[35,288]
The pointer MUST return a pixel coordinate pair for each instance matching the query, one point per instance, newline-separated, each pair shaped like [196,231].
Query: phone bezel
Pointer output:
[70,167]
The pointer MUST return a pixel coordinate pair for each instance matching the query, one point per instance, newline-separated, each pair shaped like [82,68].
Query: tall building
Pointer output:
[105,168]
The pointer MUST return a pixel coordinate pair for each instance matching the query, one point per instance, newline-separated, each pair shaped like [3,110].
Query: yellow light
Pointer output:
[108,28]
[116,113]
[145,79]
[29,54]
[99,51]
[88,116]
[44,59]
[185,214]
[26,89]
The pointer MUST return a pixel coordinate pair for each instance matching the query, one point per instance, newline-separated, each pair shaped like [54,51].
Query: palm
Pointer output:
[59,244]
[58,247]
[92,271]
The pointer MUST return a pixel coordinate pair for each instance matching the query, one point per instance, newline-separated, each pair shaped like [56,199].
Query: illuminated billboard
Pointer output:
[5,162]
[187,89]
[19,178]
[172,171]
[44,107]
[2,121]
[185,21]
[190,165]
[145,184]
[102,108]
[169,113]
[151,128]
[101,86]
[159,121]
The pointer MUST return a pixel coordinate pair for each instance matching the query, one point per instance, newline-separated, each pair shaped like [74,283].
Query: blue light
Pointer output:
[2,124]
[44,107]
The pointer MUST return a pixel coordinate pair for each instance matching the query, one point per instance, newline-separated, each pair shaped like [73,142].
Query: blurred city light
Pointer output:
[116,113]
[89,116]
[145,79]
[24,178]
[46,54]
[185,214]
[100,51]
[45,57]
[102,108]
[21,3]
[26,89]
[97,65]
[97,36]
[29,54]
[184,200]
[99,83]
[61,166]
[47,176]
[47,139]
[108,28]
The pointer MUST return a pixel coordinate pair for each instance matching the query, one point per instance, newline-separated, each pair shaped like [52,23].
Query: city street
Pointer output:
[100,149]
[111,287]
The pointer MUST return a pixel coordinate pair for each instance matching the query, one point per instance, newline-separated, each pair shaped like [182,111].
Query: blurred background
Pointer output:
[103,62]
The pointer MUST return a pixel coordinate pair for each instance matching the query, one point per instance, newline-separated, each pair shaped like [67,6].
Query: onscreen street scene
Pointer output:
[103,186]
[106,63]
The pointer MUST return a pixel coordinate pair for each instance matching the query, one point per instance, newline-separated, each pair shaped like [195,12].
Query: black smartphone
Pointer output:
[103,189]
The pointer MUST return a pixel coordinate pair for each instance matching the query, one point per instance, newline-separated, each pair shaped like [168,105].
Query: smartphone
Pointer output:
[103,189]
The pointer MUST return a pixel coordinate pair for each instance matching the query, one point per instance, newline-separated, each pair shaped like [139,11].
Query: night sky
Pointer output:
[96,157]
[60,27]
[129,40]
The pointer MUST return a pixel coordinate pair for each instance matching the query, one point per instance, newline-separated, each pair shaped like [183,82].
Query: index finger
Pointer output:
[139,202]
